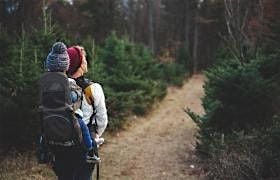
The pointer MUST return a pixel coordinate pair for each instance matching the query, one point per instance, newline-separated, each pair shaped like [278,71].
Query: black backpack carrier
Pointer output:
[60,126]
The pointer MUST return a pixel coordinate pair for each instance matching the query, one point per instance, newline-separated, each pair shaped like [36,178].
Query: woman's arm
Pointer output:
[101,116]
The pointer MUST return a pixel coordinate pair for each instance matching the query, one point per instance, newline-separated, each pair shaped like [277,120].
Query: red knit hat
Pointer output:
[75,59]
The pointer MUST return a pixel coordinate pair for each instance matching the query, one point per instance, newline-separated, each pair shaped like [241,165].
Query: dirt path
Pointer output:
[159,146]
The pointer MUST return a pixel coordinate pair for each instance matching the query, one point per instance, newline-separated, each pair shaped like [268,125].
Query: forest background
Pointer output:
[136,48]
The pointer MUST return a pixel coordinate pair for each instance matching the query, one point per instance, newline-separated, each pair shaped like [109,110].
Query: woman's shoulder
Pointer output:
[96,86]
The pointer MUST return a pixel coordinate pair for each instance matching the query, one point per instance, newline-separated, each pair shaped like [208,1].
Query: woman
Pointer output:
[70,163]
[93,101]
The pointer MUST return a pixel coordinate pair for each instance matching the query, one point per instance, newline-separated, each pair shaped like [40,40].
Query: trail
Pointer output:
[159,146]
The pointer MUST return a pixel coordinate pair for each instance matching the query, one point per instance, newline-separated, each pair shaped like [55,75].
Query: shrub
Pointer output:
[239,132]
[129,79]
[20,69]
[238,97]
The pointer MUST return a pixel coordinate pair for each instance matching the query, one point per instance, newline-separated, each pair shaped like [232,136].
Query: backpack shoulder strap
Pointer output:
[88,92]
[85,84]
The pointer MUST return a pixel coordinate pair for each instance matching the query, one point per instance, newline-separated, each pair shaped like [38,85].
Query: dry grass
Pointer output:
[23,166]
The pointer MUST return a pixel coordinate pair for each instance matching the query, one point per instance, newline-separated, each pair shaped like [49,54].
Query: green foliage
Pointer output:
[183,57]
[21,66]
[238,97]
[129,76]
[239,132]
[132,79]
[170,73]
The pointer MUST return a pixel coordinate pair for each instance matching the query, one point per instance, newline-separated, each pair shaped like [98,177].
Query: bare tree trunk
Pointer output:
[195,43]
[45,18]
[2,14]
[259,39]
[131,16]
[22,50]
[237,14]
[151,25]
[157,28]
[187,16]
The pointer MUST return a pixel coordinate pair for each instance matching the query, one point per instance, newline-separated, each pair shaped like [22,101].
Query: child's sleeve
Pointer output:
[86,135]
[74,96]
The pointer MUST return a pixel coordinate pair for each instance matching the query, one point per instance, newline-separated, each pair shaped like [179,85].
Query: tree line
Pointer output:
[164,26]
[169,28]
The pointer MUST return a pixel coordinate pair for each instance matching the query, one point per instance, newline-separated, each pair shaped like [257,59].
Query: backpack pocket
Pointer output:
[58,128]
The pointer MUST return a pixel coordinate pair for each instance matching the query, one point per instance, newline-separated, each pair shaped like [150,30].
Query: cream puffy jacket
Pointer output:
[101,117]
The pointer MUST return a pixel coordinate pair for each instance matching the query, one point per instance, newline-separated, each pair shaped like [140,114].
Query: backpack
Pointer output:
[85,84]
[60,126]
[87,91]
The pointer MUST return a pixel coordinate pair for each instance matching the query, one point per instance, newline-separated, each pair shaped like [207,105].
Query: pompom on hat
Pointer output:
[58,58]
[75,59]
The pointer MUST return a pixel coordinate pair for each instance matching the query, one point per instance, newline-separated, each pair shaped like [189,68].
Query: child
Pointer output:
[89,142]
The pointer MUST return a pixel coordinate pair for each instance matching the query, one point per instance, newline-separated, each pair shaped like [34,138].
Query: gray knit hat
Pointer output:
[58,59]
